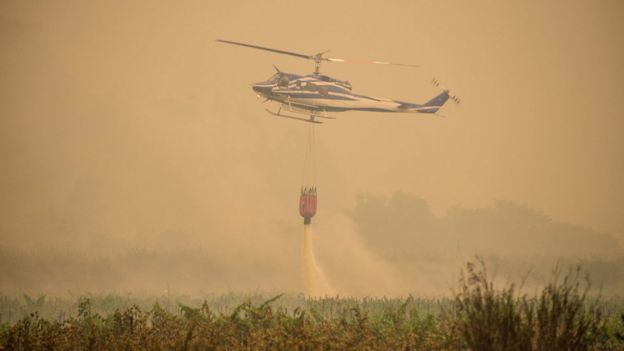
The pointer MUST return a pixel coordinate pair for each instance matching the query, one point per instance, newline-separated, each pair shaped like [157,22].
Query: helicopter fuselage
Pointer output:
[320,93]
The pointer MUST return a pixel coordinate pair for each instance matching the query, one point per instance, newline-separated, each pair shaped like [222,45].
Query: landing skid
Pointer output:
[309,120]
[310,113]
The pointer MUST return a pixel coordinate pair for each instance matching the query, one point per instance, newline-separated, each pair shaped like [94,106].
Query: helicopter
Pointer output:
[314,95]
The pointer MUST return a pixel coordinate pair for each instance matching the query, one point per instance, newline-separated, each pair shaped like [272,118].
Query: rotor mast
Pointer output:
[318,58]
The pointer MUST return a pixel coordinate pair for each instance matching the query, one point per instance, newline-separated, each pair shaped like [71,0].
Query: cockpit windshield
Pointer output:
[281,78]
[273,78]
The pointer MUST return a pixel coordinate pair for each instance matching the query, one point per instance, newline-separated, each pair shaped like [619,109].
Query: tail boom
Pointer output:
[431,106]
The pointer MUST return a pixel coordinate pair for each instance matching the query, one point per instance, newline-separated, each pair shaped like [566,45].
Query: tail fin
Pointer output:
[439,100]
[431,106]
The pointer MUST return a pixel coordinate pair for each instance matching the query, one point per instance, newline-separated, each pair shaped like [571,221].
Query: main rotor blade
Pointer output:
[268,49]
[369,62]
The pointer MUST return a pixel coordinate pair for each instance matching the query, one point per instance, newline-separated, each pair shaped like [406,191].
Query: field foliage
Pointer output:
[479,316]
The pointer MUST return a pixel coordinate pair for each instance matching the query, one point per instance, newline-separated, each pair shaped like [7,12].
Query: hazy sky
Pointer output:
[125,119]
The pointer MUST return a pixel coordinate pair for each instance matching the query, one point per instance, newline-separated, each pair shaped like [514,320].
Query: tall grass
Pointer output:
[479,316]
[561,317]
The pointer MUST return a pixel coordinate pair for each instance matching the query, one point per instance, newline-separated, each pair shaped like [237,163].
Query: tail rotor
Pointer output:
[436,83]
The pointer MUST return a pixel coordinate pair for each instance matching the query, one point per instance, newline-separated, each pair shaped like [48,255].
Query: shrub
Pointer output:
[561,317]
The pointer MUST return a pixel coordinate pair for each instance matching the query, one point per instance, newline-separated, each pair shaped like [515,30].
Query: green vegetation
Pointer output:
[564,316]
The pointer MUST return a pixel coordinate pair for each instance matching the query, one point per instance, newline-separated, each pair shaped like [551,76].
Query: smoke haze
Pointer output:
[136,157]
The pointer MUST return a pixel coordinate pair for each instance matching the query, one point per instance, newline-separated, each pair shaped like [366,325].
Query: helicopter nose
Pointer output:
[260,89]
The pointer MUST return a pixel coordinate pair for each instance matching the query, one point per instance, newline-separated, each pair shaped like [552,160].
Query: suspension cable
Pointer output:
[308,178]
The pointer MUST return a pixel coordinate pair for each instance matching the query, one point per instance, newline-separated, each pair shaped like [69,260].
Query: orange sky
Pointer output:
[121,119]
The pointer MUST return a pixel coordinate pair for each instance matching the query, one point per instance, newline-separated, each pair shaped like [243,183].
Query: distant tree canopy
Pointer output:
[403,230]
[403,225]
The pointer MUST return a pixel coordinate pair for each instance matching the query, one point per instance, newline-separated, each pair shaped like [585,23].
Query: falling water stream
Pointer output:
[314,282]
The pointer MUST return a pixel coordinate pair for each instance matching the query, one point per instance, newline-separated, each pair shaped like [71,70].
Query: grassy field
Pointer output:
[564,316]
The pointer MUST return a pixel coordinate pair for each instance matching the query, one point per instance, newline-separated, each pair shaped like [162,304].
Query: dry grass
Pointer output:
[561,317]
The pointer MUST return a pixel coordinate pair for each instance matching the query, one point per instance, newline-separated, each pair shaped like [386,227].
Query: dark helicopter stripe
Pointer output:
[303,95]
[342,109]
